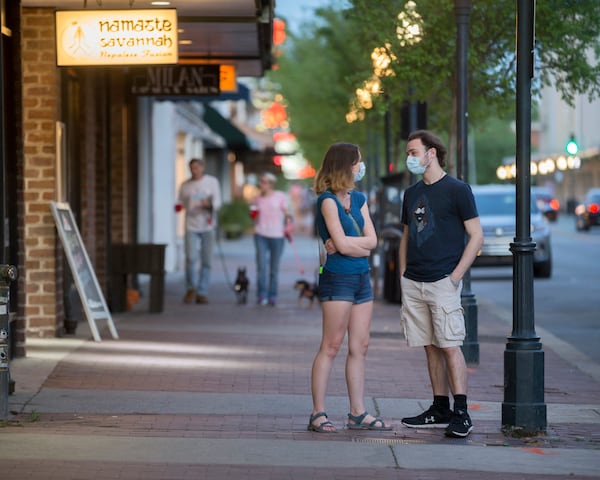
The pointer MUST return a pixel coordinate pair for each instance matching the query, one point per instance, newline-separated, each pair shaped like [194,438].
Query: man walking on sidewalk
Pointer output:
[437,212]
[200,197]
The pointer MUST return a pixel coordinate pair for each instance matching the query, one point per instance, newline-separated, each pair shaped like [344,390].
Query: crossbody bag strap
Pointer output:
[322,251]
[356,227]
[354,222]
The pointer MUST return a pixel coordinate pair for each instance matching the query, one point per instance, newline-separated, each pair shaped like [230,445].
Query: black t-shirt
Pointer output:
[435,215]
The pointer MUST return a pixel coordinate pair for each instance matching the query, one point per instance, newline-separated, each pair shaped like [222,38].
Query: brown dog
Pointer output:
[306,290]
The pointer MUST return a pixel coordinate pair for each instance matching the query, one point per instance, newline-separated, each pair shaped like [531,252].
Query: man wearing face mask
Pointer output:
[438,213]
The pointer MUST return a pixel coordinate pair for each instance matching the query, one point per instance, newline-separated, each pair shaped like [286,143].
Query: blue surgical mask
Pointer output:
[358,176]
[414,165]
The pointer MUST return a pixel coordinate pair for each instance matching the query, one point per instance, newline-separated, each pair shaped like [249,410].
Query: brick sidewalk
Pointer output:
[168,373]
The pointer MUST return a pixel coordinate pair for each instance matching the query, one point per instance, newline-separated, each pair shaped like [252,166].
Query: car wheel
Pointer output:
[543,269]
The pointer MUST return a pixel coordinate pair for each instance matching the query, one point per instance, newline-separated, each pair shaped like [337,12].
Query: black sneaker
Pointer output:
[460,424]
[433,417]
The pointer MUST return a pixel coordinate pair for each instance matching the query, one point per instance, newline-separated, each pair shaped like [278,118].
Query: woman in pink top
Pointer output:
[272,224]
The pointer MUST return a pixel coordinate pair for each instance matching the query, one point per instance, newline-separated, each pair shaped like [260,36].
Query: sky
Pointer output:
[298,11]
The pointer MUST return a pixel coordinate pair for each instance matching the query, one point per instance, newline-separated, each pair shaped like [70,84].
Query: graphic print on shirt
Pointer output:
[423,223]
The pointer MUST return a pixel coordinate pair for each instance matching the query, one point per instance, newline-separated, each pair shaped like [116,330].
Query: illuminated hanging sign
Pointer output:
[227,78]
[116,37]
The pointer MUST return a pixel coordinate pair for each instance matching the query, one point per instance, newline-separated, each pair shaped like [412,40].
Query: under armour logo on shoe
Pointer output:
[430,419]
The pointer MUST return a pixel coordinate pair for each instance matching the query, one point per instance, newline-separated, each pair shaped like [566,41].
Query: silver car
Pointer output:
[496,205]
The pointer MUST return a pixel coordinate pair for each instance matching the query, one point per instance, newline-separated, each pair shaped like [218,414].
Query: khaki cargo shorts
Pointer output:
[432,313]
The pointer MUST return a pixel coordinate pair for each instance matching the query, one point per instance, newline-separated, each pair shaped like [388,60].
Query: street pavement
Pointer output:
[222,391]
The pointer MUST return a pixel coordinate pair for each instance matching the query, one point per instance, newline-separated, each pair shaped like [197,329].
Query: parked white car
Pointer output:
[496,205]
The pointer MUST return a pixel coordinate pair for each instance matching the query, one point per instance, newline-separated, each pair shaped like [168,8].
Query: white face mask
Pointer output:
[358,176]
[414,165]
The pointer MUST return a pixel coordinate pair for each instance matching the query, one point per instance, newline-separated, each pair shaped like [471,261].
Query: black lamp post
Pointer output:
[523,407]
[462,10]
[387,127]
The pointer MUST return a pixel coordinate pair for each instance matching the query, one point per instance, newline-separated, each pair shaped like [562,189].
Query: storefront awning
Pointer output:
[243,93]
[234,137]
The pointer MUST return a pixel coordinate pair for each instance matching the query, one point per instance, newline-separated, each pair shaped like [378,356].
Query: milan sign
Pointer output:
[177,80]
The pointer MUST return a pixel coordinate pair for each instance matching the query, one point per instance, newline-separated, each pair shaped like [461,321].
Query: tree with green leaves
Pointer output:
[567,52]
[332,58]
[316,73]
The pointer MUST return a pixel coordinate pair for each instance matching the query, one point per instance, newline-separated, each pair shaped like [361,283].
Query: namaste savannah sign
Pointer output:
[116,37]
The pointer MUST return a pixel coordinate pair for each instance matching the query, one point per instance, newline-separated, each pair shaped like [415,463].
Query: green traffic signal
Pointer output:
[571,147]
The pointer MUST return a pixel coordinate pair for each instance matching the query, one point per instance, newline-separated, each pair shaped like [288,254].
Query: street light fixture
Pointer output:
[382,58]
[363,100]
[408,30]
[546,166]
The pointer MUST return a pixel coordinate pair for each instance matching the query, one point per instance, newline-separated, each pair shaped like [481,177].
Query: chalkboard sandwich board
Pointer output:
[86,282]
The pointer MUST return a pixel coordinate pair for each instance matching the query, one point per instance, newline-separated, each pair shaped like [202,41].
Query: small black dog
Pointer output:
[241,286]
[306,290]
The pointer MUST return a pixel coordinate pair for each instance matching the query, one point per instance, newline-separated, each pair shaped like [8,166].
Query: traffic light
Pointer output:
[571,147]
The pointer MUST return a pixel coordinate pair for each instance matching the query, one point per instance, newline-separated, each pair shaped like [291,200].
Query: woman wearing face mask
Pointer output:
[345,227]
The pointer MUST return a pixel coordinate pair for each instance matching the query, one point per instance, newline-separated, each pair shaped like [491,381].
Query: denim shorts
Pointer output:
[355,287]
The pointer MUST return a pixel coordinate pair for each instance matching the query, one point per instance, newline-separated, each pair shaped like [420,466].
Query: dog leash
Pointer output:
[296,256]
[225,271]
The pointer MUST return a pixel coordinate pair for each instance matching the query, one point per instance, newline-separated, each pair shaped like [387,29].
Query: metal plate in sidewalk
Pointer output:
[389,441]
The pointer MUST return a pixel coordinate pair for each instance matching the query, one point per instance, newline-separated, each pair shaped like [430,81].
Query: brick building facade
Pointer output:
[73,134]
[76,144]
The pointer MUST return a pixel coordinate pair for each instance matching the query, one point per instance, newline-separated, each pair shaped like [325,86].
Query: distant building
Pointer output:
[557,123]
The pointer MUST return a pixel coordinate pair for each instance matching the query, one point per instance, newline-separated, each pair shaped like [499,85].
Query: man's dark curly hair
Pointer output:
[430,141]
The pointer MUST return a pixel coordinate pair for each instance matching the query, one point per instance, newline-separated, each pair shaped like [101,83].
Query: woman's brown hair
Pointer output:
[335,173]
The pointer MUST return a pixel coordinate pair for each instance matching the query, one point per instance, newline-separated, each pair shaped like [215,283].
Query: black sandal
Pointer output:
[324,427]
[377,424]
